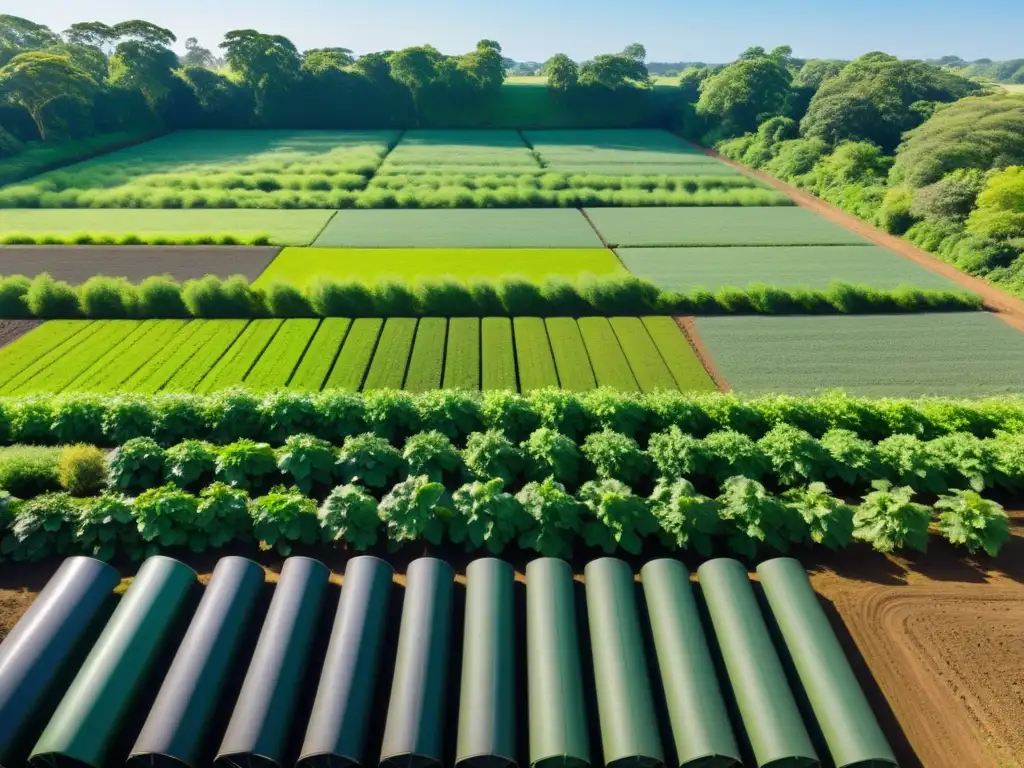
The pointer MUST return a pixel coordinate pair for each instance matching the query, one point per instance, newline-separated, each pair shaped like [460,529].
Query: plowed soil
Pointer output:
[11,330]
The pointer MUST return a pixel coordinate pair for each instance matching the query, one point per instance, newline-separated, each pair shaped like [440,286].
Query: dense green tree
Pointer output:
[951,198]
[144,67]
[144,32]
[18,35]
[196,55]
[746,92]
[36,79]
[222,102]
[92,33]
[267,64]
[1000,210]
[614,71]
[320,59]
[563,73]
[635,51]
[88,57]
[484,65]
[816,71]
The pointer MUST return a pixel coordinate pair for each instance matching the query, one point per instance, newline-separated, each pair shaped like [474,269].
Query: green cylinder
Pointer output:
[625,706]
[697,712]
[843,714]
[765,702]
[487,723]
[90,715]
[557,709]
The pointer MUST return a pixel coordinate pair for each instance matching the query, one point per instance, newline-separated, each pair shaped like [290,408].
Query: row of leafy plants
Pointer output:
[111,420]
[43,297]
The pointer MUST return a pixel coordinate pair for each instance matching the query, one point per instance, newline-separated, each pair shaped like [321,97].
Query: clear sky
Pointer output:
[672,30]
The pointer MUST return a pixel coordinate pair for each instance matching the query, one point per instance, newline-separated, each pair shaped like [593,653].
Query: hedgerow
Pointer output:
[45,298]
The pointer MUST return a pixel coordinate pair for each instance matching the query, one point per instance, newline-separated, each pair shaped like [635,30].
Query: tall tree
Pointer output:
[268,64]
[144,32]
[196,55]
[144,67]
[18,35]
[746,92]
[94,33]
[36,79]
[563,73]
[415,68]
[635,51]
[614,71]
[320,59]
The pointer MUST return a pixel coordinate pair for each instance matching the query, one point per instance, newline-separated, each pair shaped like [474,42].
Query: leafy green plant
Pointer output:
[490,454]
[795,456]
[307,461]
[687,519]
[617,457]
[968,520]
[755,517]
[888,519]
[829,521]
[222,516]
[624,412]
[245,464]
[82,470]
[43,526]
[136,465]
[190,464]
[485,516]
[29,470]
[389,413]
[560,410]
[675,453]
[557,518]
[283,517]
[106,527]
[1007,460]
[729,453]
[370,460]
[854,461]
[906,460]
[549,453]
[415,509]
[618,518]
[451,412]
[433,454]
[349,514]
[168,517]
[509,413]
[963,458]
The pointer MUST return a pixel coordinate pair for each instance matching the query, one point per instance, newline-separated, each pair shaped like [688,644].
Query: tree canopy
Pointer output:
[748,91]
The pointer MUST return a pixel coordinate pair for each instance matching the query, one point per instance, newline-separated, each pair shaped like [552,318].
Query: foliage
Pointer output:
[727,453]
[1000,206]
[687,519]
[245,464]
[190,464]
[853,460]
[755,518]
[485,516]
[675,453]
[906,460]
[966,519]
[82,470]
[349,514]
[619,519]
[369,460]
[617,457]
[415,509]
[106,527]
[283,517]
[43,526]
[307,461]
[168,517]
[138,465]
[889,520]
[432,454]
[492,455]
[557,518]
[795,456]
[222,516]
[27,471]
[747,91]
[550,454]
[829,521]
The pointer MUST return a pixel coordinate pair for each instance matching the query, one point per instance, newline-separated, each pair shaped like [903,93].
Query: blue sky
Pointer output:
[672,30]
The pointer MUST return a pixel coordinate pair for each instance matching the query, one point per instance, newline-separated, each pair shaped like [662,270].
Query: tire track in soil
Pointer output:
[688,326]
[1006,307]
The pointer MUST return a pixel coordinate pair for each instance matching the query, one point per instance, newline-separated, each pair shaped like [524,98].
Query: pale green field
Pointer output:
[1014,88]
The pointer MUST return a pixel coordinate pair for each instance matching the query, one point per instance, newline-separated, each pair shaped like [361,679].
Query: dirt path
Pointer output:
[12,330]
[688,326]
[1008,308]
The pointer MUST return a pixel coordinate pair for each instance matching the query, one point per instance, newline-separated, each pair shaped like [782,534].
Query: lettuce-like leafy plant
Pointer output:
[675,453]
[106,527]
[963,458]
[222,515]
[617,457]
[169,517]
[854,461]
[688,520]
[42,527]
[905,460]
[888,519]
[968,520]
[796,457]
[433,454]
[556,518]
[350,514]
[137,465]
[618,518]
[549,453]
[755,517]
[369,460]
[246,464]
[490,454]
[485,516]
[829,520]
[307,461]
[728,453]
[415,509]
[190,464]
[283,517]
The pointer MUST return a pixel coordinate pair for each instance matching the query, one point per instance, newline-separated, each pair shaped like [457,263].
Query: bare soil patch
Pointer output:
[11,330]
[1008,308]
[689,329]
[77,263]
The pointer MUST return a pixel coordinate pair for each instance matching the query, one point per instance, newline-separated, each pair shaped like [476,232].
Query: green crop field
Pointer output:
[683,269]
[530,228]
[300,265]
[479,151]
[522,353]
[155,226]
[654,227]
[215,169]
[623,152]
[971,354]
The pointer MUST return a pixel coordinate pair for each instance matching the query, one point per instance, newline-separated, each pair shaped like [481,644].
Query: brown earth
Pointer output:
[689,329]
[11,330]
[77,263]
[1007,307]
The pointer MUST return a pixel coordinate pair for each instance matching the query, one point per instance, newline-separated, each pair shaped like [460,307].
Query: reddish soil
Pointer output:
[11,330]
[1008,308]
[689,329]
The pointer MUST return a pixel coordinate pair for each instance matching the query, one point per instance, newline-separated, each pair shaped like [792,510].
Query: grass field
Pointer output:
[459,229]
[658,227]
[970,355]
[1012,88]
[299,265]
[521,353]
[472,151]
[172,226]
[683,269]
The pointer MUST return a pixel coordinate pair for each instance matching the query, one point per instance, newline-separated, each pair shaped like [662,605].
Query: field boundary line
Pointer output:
[1005,306]
[600,235]
[688,326]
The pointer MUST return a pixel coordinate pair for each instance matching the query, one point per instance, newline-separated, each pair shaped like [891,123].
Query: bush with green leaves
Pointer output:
[29,470]
[222,516]
[754,518]
[106,527]
[514,415]
[82,470]
[169,517]
[433,454]
[415,509]
[966,519]
[452,412]
[556,518]
[795,456]
[42,527]
[307,461]
[618,518]
[549,453]
[190,464]
[963,459]
[138,465]
[829,520]
[492,455]
[675,453]
[728,453]
[284,517]
[616,456]
[688,519]
[349,514]
[853,461]
[484,516]
[246,464]
[1007,460]
[889,519]
[906,460]
[369,460]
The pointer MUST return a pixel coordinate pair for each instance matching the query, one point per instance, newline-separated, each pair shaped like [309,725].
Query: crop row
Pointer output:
[368,353]
[744,519]
[210,297]
[335,415]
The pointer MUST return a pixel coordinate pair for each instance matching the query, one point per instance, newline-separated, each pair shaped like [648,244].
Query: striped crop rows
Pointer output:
[203,356]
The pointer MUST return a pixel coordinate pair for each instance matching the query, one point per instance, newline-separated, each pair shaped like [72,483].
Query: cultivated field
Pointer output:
[479,151]
[683,269]
[299,266]
[959,355]
[519,354]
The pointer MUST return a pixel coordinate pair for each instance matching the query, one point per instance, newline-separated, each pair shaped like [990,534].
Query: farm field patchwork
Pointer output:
[215,169]
[300,265]
[525,228]
[469,151]
[970,354]
[168,226]
[683,269]
[77,263]
[522,353]
[654,227]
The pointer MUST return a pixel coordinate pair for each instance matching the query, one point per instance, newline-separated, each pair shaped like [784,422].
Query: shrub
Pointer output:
[369,460]
[795,456]
[451,412]
[14,297]
[137,465]
[966,519]
[168,517]
[829,521]
[349,514]
[551,454]
[307,461]
[286,300]
[905,459]
[560,410]
[333,299]
[106,297]
[82,470]
[415,509]
[223,516]
[619,519]
[557,518]
[27,471]
[216,298]
[190,464]
[853,460]
[160,297]
[687,519]
[485,516]
[728,453]
[889,520]
[106,527]
[43,526]
[675,453]
[617,457]
[283,517]
[754,518]
[433,454]
[52,299]
[394,298]
[492,455]
[246,464]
